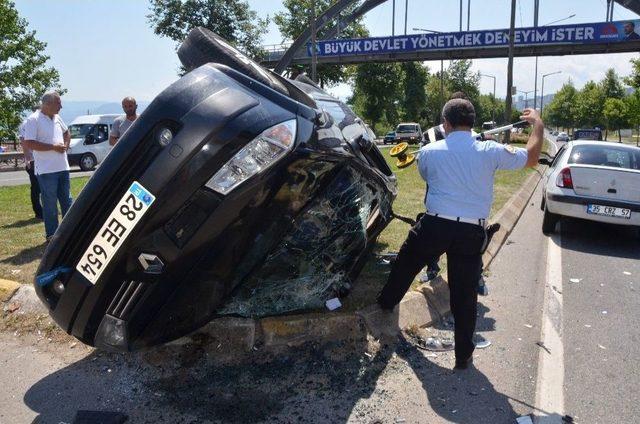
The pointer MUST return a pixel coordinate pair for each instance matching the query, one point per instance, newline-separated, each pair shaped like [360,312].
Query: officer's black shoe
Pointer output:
[463,365]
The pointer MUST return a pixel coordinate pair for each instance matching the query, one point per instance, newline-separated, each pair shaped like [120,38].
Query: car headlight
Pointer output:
[258,155]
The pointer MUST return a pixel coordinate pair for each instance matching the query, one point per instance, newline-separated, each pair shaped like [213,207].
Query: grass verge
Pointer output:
[21,235]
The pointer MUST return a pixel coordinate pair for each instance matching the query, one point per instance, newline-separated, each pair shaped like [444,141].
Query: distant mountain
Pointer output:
[72,109]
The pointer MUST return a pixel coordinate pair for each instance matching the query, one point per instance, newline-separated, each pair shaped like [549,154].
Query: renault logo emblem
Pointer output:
[151,264]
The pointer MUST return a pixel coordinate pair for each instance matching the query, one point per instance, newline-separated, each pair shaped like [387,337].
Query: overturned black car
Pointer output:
[236,192]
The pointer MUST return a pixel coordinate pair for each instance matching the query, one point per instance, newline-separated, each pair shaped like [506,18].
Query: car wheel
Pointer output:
[549,221]
[203,46]
[87,162]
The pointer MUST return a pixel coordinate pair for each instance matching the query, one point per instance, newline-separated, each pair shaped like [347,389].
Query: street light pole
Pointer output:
[314,53]
[507,106]
[493,102]
[526,97]
[542,93]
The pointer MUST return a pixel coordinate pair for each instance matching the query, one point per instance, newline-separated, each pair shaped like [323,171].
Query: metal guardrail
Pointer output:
[11,159]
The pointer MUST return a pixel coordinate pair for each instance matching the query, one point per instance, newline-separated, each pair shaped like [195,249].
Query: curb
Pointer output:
[418,308]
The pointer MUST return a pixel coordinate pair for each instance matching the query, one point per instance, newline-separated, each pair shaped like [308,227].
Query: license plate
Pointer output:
[609,211]
[129,210]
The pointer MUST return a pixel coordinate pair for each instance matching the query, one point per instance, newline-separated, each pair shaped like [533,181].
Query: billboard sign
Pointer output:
[599,32]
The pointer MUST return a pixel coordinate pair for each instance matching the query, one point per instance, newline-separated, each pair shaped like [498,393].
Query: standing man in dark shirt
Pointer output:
[122,123]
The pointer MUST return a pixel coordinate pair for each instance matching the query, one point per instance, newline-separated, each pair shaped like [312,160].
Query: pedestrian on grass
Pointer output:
[28,165]
[459,171]
[122,123]
[46,134]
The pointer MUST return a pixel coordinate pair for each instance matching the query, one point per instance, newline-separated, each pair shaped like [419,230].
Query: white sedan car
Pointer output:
[594,180]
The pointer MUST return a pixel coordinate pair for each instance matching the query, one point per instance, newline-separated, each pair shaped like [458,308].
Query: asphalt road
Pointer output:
[14,178]
[558,348]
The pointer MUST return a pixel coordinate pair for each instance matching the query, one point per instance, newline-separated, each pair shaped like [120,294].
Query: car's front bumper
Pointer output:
[576,207]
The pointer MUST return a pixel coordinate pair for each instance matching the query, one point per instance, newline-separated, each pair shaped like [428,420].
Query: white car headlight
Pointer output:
[258,155]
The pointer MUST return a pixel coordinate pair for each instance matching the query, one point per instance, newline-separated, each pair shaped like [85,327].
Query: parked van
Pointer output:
[409,132]
[90,140]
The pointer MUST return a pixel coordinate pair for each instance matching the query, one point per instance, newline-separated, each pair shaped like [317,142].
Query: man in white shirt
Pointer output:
[48,137]
[28,164]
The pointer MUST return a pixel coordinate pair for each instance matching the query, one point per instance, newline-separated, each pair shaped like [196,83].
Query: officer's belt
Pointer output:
[478,221]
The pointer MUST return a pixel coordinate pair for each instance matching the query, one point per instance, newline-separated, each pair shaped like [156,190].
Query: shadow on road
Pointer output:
[358,380]
[600,239]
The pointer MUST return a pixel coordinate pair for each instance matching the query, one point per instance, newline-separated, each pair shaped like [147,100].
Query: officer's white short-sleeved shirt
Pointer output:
[459,171]
[40,127]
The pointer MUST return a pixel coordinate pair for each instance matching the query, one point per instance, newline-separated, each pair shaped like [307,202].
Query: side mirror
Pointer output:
[544,161]
[89,139]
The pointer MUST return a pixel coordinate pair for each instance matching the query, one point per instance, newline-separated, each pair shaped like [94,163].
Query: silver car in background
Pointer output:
[594,180]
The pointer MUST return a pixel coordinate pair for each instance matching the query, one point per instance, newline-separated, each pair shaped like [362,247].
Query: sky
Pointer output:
[106,50]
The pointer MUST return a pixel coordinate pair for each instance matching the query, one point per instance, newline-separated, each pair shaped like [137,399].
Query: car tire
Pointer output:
[203,46]
[542,203]
[87,162]
[549,221]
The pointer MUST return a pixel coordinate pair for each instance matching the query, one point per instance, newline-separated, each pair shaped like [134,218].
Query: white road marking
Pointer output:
[550,382]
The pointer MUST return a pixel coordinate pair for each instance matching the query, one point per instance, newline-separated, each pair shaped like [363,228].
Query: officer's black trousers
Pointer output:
[462,242]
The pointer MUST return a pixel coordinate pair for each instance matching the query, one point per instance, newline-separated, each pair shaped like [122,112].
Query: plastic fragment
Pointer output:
[626,272]
[333,304]
[575,280]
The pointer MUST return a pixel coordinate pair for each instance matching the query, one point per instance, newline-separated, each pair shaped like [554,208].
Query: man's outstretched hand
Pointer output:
[531,116]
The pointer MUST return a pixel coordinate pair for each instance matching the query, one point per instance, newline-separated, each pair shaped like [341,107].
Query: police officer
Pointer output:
[459,171]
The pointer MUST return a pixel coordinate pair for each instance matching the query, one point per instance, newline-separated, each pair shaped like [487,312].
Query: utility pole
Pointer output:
[536,6]
[393,18]
[314,53]
[507,107]
[468,13]
[460,15]
[406,9]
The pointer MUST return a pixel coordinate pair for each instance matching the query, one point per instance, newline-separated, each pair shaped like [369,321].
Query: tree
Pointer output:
[414,98]
[233,20]
[588,106]
[615,113]
[296,18]
[560,111]
[633,115]
[460,78]
[24,76]
[633,80]
[611,85]
[376,93]
[435,99]
[489,109]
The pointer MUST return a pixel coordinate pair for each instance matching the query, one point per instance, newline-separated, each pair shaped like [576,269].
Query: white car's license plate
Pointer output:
[130,209]
[609,211]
